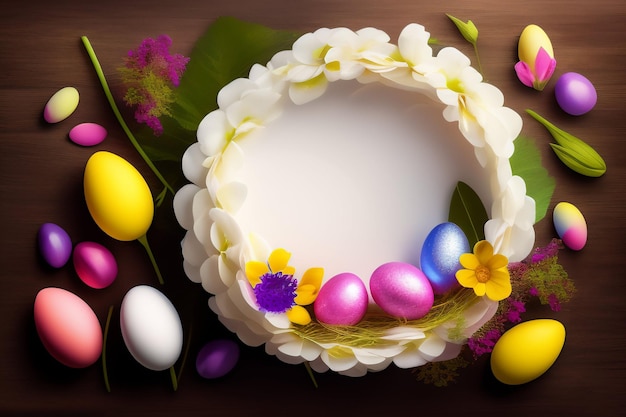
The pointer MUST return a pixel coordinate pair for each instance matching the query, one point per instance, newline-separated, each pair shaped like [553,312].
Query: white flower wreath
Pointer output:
[216,249]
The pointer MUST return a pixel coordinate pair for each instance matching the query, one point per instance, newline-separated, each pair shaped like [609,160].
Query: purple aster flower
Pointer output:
[516,308]
[276,292]
[554,302]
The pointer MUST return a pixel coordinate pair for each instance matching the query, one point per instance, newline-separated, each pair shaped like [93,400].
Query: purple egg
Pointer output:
[217,358]
[402,290]
[94,264]
[575,93]
[55,244]
[341,301]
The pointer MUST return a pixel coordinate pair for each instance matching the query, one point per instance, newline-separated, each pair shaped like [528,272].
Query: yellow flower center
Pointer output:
[482,274]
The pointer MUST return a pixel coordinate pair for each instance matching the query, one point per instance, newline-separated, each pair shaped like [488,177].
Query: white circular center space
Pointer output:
[356,178]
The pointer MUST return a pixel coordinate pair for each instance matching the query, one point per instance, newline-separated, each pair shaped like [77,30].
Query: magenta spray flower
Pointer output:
[151,73]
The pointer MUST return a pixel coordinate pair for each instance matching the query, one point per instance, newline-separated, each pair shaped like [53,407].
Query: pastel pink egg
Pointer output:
[342,300]
[570,225]
[402,290]
[67,327]
[87,134]
[94,264]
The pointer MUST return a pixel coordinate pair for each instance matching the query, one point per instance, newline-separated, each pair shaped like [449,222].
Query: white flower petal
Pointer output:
[183,205]
[231,196]
[214,132]
[413,44]
[409,358]
[192,164]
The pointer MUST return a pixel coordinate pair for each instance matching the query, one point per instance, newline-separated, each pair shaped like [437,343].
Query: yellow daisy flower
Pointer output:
[485,272]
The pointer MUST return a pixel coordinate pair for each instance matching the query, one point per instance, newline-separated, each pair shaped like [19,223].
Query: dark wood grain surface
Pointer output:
[41,181]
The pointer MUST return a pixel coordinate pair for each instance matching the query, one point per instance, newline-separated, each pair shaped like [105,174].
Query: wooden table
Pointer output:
[41,181]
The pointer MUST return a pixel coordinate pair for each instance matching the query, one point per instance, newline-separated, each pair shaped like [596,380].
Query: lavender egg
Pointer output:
[401,290]
[575,94]
[55,244]
[217,358]
[342,300]
[439,259]
[94,264]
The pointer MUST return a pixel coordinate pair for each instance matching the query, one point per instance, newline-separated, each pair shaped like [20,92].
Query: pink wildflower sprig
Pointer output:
[151,73]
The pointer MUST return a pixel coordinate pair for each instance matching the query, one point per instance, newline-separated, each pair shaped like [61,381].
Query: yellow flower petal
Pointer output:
[299,315]
[288,270]
[498,289]
[480,289]
[278,260]
[313,276]
[254,271]
[305,294]
[483,251]
[469,261]
[497,261]
[466,278]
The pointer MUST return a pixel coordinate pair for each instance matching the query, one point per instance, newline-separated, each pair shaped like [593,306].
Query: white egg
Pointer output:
[151,327]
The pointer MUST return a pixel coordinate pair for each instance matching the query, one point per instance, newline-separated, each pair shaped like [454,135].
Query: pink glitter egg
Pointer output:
[341,301]
[402,290]
[570,225]
[94,264]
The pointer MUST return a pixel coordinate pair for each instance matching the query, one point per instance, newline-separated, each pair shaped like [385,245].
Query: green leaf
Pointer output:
[227,50]
[468,29]
[468,212]
[573,152]
[526,162]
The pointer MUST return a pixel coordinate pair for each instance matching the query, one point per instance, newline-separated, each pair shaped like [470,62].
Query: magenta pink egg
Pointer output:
[94,264]
[68,328]
[87,134]
[55,244]
[402,290]
[342,300]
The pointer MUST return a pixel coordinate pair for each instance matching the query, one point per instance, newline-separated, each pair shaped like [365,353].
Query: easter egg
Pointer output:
[87,134]
[570,225]
[61,105]
[95,265]
[151,327]
[342,300]
[118,197]
[439,259]
[527,350]
[401,290]
[531,39]
[54,244]
[575,94]
[217,358]
[67,327]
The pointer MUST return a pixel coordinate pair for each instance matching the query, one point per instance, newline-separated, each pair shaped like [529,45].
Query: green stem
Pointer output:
[144,242]
[310,372]
[480,66]
[104,350]
[118,115]
[185,354]
[173,376]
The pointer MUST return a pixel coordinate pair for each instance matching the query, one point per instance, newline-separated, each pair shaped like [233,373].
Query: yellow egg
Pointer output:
[532,38]
[527,351]
[117,196]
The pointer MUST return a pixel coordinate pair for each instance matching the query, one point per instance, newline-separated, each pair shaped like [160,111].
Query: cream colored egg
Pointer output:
[527,351]
[61,105]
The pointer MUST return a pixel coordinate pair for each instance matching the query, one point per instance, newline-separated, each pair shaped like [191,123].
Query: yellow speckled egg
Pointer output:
[532,38]
[527,351]
[117,196]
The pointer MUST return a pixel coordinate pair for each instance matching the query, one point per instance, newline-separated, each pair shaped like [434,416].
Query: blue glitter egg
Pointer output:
[439,259]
